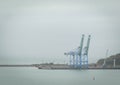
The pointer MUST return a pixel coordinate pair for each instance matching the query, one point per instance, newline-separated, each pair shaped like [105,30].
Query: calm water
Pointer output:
[34,76]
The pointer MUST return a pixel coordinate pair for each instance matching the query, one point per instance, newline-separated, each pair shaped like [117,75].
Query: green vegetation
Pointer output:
[110,60]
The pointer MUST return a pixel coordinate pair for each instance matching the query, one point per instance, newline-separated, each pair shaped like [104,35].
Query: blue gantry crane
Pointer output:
[79,56]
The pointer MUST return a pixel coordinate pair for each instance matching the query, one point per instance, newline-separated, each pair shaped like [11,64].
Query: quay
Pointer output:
[59,67]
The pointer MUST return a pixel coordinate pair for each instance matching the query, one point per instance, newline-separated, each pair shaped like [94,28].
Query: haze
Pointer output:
[37,31]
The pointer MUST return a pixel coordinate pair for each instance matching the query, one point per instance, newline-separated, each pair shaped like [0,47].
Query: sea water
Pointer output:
[34,76]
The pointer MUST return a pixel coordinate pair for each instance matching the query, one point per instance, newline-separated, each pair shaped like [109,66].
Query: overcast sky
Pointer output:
[35,31]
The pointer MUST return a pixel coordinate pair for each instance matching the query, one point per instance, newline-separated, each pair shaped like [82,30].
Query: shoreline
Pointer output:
[58,67]
[16,66]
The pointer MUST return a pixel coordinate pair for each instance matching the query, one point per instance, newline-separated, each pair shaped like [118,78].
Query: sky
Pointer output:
[40,31]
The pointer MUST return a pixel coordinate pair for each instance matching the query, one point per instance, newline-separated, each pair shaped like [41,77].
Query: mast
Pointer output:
[80,51]
[81,45]
[88,43]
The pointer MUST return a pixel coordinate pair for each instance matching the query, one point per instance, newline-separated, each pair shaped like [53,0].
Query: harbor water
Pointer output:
[34,76]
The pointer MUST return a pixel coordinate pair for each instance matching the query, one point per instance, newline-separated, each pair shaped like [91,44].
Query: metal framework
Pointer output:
[79,57]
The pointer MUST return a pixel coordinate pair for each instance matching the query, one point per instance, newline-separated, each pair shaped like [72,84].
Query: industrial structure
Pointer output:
[79,57]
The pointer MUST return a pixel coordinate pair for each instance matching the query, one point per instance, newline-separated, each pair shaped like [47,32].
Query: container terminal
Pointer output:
[78,59]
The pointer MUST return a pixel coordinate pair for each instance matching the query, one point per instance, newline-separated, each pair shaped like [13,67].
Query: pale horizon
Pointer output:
[42,31]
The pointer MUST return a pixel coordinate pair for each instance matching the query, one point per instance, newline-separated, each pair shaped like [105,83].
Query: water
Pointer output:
[34,76]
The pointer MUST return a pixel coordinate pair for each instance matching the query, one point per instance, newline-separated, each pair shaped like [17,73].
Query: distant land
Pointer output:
[106,63]
[109,62]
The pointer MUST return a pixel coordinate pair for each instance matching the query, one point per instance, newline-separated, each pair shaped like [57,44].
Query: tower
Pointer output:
[84,57]
[80,52]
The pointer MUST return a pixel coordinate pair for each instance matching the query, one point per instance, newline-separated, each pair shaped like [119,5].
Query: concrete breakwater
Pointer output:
[65,66]
[58,66]
[24,65]
[54,66]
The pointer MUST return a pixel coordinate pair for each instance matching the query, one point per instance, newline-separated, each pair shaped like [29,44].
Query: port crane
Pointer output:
[79,56]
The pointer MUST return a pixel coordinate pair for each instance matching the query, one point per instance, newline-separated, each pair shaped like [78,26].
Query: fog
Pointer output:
[37,31]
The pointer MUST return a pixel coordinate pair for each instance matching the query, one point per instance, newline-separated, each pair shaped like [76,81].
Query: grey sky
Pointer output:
[34,31]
